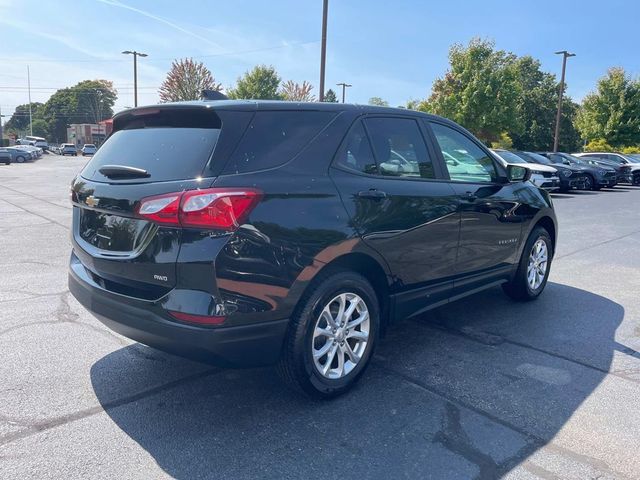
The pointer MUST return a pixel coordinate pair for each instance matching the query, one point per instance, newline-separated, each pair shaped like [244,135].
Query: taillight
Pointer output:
[197,319]
[217,208]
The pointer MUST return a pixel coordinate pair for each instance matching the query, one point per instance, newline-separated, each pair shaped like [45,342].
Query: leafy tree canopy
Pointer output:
[297,92]
[330,97]
[378,102]
[19,121]
[186,80]
[480,90]
[612,112]
[261,83]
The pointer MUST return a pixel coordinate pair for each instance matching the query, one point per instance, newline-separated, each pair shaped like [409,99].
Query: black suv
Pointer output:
[597,176]
[570,176]
[250,233]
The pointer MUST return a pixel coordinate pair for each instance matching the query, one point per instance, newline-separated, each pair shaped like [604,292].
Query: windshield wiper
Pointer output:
[122,171]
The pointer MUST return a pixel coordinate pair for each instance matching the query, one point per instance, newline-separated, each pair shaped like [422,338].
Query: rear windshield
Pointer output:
[275,137]
[168,146]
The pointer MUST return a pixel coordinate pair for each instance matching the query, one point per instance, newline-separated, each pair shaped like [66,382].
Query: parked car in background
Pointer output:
[293,233]
[37,142]
[571,177]
[68,149]
[6,155]
[22,154]
[542,176]
[36,152]
[629,166]
[623,175]
[88,149]
[596,176]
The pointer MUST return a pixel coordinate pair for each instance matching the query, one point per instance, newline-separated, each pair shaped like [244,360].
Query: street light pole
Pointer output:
[323,48]
[29,88]
[135,72]
[565,55]
[344,86]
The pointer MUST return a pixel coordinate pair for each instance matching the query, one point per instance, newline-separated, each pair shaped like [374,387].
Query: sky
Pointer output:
[389,49]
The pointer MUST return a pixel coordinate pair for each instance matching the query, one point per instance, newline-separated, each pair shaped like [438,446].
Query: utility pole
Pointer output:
[344,86]
[565,55]
[135,73]
[29,88]
[1,131]
[323,48]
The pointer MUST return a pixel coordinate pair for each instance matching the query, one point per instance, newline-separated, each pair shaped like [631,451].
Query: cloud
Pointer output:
[56,37]
[116,3]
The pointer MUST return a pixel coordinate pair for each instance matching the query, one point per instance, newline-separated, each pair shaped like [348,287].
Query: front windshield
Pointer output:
[509,157]
[574,160]
[535,158]
[633,157]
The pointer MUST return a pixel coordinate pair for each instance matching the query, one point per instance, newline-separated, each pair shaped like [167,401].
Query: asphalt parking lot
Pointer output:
[483,388]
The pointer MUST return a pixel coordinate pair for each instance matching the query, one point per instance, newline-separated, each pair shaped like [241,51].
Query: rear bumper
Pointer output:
[142,321]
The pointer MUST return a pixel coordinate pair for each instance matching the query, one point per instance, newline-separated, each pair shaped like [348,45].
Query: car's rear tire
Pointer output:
[327,350]
[533,269]
[20,159]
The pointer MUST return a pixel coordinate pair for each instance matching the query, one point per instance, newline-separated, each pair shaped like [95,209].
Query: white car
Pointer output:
[88,149]
[542,176]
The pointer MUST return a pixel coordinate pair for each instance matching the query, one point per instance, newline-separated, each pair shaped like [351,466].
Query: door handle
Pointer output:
[373,194]
[470,197]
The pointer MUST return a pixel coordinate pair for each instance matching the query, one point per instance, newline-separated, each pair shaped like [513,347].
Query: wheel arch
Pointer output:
[550,226]
[371,269]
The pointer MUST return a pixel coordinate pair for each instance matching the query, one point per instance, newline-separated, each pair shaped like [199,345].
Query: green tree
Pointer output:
[40,128]
[96,99]
[330,97]
[612,112]
[261,83]
[89,101]
[536,110]
[186,80]
[480,90]
[378,102]
[297,92]
[19,121]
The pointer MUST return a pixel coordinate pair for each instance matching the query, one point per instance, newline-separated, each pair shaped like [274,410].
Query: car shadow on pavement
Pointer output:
[472,389]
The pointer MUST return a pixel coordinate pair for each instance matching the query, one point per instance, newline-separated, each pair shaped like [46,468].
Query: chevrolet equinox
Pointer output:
[249,233]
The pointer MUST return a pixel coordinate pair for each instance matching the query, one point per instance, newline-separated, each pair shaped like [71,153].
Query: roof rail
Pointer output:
[213,95]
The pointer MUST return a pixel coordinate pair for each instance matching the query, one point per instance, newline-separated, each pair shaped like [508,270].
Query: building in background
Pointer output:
[81,133]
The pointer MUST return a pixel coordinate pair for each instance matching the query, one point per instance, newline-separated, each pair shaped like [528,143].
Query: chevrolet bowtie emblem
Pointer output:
[92,201]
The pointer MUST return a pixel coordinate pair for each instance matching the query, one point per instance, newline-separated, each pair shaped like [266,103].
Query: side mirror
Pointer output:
[517,173]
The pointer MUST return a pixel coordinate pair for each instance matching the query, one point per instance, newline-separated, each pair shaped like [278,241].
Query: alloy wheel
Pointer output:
[340,335]
[538,261]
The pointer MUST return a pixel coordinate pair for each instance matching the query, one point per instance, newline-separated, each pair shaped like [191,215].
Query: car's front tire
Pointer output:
[332,335]
[534,267]
[20,159]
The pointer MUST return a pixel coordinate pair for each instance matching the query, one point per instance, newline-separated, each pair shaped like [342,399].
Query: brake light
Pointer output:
[217,208]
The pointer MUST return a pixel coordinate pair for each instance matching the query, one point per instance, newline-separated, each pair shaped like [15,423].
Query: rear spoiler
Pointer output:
[213,95]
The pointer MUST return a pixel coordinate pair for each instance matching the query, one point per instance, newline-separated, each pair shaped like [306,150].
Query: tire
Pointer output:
[297,365]
[20,159]
[589,183]
[519,288]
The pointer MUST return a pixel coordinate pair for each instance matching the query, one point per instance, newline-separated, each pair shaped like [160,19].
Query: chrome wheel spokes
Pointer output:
[538,262]
[340,335]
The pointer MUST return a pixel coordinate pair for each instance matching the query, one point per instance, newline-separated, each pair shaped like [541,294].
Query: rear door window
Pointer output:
[275,137]
[169,145]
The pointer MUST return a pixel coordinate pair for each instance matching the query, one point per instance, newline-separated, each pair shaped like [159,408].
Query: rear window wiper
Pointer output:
[122,171]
